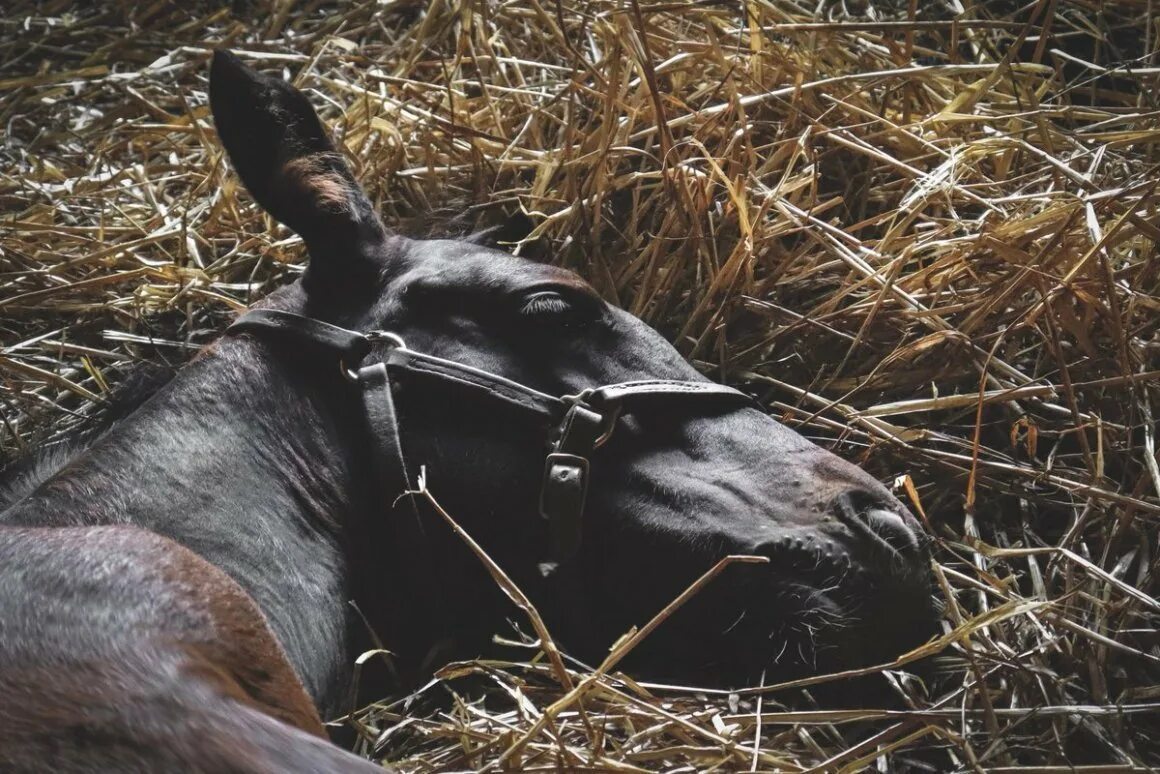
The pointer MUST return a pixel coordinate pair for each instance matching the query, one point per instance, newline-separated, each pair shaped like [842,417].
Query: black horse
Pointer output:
[267,459]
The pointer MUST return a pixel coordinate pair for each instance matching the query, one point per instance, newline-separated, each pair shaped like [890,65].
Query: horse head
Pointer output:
[672,485]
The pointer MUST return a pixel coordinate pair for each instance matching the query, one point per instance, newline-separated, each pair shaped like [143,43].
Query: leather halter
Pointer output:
[582,422]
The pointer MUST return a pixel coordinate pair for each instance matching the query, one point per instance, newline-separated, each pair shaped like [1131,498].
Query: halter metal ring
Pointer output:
[393,341]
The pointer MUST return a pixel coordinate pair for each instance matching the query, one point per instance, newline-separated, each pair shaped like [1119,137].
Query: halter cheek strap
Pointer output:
[581,423]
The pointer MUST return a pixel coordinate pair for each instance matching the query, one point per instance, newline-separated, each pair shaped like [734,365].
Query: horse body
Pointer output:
[123,651]
[123,648]
[22,475]
[225,525]
[184,467]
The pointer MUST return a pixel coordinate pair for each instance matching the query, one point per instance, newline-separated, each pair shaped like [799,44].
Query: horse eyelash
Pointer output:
[546,304]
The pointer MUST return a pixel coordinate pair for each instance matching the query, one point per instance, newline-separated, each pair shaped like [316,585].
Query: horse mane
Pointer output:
[22,475]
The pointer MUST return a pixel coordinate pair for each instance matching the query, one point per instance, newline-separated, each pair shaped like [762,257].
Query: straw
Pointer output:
[923,236]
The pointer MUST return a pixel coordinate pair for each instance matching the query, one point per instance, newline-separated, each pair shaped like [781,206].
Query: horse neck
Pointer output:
[244,460]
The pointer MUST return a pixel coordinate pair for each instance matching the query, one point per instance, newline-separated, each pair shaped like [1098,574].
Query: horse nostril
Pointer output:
[882,527]
[893,528]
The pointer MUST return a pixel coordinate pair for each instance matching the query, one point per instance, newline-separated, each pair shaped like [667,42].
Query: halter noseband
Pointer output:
[582,422]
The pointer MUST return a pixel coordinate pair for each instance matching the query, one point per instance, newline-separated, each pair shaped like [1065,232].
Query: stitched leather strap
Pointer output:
[631,394]
[379,403]
[482,383]
[350,346]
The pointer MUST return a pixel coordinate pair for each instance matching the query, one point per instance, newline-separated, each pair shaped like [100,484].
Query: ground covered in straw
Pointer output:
[924,236]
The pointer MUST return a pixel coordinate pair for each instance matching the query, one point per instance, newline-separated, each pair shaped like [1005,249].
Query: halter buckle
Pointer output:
[609,412]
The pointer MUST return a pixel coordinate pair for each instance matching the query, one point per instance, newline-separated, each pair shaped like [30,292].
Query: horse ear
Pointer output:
[287,161]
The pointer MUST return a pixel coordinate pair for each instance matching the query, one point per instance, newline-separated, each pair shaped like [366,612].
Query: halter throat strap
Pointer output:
[580,423]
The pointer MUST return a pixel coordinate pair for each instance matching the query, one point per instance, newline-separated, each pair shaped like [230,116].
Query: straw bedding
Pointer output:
[923,235]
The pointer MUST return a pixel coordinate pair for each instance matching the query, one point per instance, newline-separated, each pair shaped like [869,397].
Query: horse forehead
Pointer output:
[458,263]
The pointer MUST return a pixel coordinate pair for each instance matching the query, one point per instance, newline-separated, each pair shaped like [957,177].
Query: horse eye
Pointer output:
[545,303]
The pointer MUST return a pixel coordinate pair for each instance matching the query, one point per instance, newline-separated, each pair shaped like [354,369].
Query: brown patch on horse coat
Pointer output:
[244,652]
[122,647]
[318,177]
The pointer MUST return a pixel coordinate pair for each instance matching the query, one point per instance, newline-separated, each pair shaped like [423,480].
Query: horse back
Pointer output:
[21,475]
[121,650]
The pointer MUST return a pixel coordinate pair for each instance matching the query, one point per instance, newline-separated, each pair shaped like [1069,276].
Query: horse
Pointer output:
[196,579]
